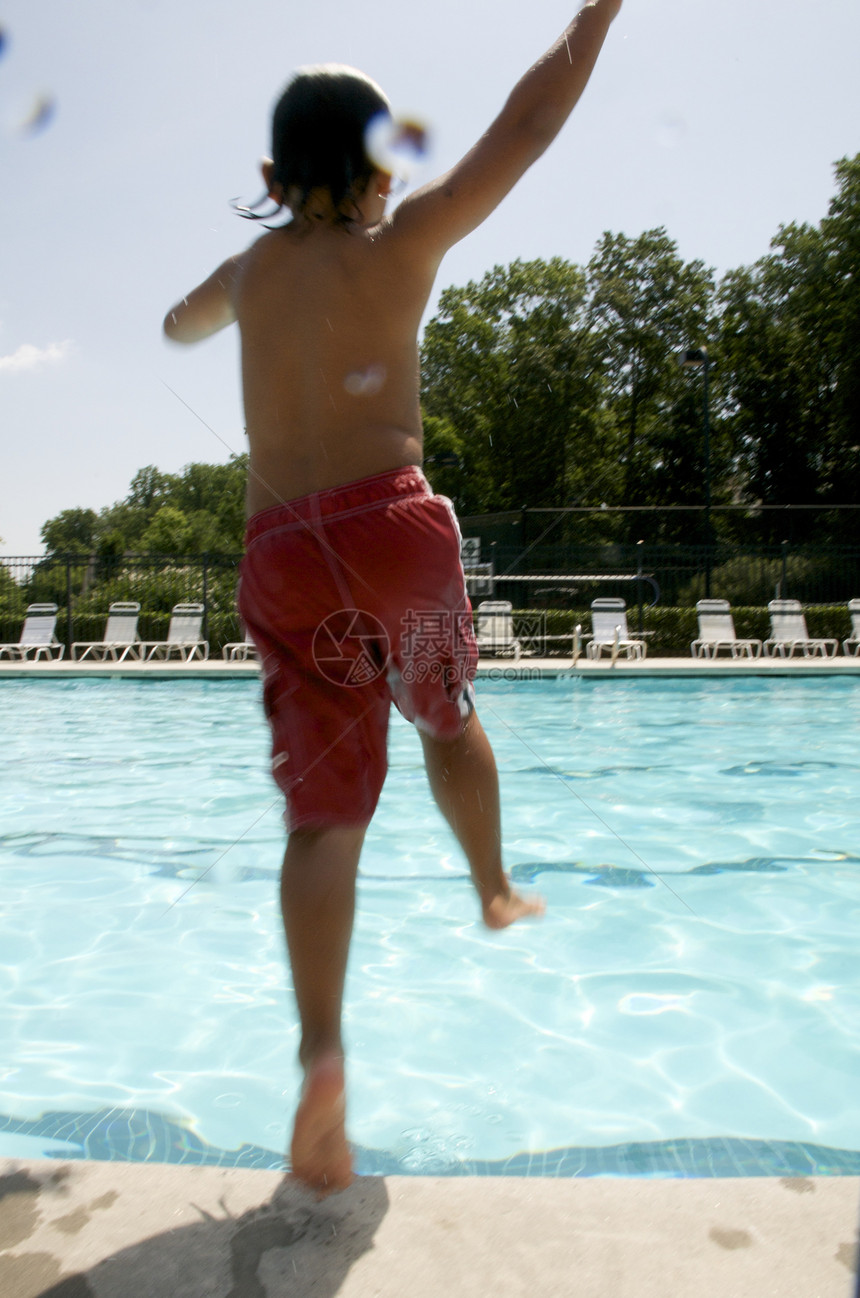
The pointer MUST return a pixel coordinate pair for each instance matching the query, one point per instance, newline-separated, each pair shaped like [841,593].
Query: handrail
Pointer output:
[586,576]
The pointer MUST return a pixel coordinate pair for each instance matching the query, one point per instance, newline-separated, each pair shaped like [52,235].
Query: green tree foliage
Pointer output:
[168,533]
[841,233]
[561,385]
[506,365]
[200,511]
[73,531]
[790,332]
[780,355]
[12,599]
[646,304]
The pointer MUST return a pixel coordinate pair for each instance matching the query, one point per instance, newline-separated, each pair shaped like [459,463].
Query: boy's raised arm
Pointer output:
[207,308]
[450,207]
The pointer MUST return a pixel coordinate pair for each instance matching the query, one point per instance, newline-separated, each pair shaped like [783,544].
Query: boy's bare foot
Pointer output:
[320,1155]
[506,907]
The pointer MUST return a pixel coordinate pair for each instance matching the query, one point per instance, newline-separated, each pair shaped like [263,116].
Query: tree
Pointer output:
[505,365]
[149,488]
[841,233]
[645,306]
[781,358]
[212,496]
[790,333]
[169,533]
[72,531]
[443,457]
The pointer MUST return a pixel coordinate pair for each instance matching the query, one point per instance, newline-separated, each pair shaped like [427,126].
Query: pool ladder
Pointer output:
[577,645]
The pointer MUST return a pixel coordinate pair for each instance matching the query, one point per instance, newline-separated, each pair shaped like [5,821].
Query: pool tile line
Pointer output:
[145,1136]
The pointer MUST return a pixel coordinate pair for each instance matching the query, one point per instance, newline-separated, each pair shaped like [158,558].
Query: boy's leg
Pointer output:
[318,905]
[465,783]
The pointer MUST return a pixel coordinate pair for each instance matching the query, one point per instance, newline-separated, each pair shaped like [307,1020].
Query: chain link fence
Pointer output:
[561,543]
[83,588]
[556,576]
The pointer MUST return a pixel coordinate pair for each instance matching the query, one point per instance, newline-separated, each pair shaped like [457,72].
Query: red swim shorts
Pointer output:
[355,597]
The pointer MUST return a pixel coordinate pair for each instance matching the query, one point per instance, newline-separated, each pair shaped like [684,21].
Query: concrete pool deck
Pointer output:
[488,668]
[123,1230]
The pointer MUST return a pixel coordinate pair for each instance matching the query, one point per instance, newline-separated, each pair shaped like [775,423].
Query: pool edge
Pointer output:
[119,1230]
[488,669]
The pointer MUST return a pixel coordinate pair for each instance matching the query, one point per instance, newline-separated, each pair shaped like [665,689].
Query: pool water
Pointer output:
[690,1005]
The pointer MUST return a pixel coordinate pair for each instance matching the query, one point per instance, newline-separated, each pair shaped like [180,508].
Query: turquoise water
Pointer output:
[689,1005]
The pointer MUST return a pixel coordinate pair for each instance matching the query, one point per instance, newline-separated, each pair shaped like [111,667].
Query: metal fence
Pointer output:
[83,588]
[674,575]
[544,574]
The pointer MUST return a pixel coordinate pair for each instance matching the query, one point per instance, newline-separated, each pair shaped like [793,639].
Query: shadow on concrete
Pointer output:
[289,1245]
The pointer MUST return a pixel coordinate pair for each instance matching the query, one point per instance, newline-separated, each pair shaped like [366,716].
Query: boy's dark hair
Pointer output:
[319,128]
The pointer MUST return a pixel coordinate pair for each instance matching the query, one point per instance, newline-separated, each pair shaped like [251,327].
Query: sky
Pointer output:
[127,126]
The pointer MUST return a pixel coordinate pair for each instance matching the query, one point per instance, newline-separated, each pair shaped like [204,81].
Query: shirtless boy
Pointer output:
[347,547]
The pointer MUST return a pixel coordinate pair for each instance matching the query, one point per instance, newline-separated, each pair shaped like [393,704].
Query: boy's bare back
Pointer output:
[329,318]
[329,311]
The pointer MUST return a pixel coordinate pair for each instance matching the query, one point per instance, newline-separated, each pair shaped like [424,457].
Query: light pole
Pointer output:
[696,358]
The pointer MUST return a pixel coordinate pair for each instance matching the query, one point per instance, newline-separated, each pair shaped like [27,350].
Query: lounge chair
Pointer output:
[120,641]
[717,631]
[852,644]
[241,651]
[788,633]
[38,636]
[183,636]
[479,576]
[609,631]
[494,629]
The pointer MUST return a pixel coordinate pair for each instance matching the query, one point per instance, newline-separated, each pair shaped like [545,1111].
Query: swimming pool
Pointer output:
[689,1006]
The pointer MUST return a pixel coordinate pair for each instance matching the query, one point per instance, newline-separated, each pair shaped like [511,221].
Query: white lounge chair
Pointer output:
[494,629]
[241,651]
[852,644]
[609,631]
[121,639]
[183,636]
[717,631]
[479,576]
[788,633]
[38,636]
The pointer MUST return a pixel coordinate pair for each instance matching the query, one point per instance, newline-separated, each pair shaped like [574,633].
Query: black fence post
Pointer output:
[640,567]
[69,635]
[205,598]
[783,585]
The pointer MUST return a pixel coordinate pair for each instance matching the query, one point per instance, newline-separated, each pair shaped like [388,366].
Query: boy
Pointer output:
[349,554]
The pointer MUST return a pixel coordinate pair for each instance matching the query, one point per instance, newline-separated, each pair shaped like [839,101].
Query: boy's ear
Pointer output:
[273,187]
[382,180]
